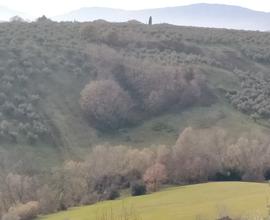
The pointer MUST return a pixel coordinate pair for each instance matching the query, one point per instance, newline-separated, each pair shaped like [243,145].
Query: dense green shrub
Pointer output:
[113,194]
[227,175]
[138,189]
[267,174]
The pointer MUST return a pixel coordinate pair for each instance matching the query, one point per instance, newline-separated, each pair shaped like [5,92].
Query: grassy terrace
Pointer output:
[206,201]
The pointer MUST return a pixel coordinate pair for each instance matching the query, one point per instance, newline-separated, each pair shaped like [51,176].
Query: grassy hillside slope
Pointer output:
[45,65]
[71,92]
[206,201]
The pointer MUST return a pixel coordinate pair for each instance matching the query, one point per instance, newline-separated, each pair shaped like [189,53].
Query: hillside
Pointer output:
[198,15]
[90,109]
[45,66]
[207,201]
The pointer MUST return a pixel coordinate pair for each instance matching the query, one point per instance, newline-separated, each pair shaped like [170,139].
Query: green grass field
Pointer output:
[202,201]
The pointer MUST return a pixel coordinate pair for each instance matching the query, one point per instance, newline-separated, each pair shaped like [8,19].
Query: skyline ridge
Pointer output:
[197,15]
[2,6]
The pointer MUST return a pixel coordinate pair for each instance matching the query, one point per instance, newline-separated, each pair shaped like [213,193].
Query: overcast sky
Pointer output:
[57,7]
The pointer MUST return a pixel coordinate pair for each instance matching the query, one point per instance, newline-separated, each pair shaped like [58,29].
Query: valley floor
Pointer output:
[201,201]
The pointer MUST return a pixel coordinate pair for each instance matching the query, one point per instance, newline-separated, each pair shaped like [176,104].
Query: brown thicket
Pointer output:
[106,104]
[157,88]
[138,92]
[199,155]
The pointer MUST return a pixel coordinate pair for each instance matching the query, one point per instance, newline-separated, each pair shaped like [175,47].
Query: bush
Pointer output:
[228,175]
[10,216]
[113,194]
[267,174]
[138,189]
[106,187]
[24,211]
[106,104]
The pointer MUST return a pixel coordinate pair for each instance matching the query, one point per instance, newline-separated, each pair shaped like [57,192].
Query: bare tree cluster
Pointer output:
[155,87]
[137,92]
[199,155]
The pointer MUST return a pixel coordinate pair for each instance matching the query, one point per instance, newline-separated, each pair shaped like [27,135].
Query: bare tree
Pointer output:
[106,104]
[155,176]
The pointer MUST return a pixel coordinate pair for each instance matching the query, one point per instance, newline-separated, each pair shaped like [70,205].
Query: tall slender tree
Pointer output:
[150,22]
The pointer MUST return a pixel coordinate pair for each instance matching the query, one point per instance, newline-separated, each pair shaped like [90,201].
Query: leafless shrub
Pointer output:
[106,104]
[26,211]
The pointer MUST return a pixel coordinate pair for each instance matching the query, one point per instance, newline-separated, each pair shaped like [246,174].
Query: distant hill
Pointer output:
[6,14]
[204,15]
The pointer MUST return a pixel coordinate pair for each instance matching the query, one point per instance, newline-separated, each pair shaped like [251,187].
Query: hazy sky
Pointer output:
[56,7]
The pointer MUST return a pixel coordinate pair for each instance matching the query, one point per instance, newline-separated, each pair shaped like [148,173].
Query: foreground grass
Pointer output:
[202,201]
